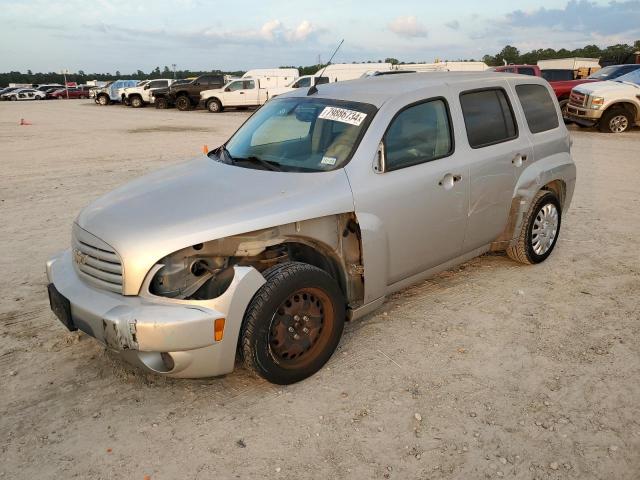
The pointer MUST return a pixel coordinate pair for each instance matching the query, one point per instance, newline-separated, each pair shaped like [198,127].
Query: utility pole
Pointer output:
[174,70]
[64,72]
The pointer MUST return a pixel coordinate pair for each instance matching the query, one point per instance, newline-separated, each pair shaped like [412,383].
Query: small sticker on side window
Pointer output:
[342,115]
[328,160]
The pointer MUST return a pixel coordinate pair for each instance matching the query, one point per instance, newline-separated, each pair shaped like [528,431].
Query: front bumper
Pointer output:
[582,115]
[141,328]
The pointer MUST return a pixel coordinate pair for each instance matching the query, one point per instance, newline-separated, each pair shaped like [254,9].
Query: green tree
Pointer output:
[391,60]
[510,54]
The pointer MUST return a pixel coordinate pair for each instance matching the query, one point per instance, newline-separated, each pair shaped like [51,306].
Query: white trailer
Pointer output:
[575,63]
[273,77]
[444,67]
[338,72]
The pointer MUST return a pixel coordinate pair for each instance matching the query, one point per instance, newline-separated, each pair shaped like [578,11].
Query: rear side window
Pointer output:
[419,133]
[538,106]
[488,117]
[527,71]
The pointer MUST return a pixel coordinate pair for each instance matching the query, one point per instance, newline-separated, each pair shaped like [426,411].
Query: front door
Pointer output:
[420,201]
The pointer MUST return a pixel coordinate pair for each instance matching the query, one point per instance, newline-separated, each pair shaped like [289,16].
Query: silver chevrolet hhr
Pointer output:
[324,202]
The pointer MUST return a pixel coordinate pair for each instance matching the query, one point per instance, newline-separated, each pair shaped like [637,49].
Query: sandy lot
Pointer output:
[491,370]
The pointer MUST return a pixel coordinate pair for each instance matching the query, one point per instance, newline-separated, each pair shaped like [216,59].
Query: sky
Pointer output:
[127,35]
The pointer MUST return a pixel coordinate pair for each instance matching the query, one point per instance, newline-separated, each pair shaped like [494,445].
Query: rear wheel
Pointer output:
[293,323]
[615,121]
[540,229]
[183,103]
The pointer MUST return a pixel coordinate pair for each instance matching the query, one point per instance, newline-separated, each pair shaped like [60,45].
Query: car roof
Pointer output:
[380,89]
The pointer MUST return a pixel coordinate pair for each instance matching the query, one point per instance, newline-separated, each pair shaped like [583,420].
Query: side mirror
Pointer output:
[228,89]
[196,83]
[380,162]
[146,87]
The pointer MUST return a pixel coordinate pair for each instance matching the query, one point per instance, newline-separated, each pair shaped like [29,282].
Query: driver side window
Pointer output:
[420,133]
[235,86]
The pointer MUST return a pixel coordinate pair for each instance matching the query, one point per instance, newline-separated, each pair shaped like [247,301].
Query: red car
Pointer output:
[74,92]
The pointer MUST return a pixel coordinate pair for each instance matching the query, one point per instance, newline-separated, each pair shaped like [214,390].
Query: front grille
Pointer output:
[578,99]
[95,261]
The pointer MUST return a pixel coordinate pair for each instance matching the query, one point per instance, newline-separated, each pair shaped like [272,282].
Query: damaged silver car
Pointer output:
[323,203]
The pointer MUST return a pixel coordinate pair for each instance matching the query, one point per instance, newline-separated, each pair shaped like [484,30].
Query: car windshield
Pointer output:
[604,73]
[299,134]
[633,77]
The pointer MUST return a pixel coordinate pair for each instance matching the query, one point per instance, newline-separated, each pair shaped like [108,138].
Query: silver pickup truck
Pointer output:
[324,202]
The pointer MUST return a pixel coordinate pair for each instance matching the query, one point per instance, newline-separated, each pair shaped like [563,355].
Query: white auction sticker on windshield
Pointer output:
[343,115]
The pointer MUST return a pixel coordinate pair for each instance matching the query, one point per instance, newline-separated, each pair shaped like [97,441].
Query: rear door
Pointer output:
[495,149]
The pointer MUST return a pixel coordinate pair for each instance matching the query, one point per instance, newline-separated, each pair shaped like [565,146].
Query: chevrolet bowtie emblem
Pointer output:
[79,257]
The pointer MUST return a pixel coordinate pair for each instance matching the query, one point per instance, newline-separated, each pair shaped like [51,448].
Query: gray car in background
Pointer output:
[323,203]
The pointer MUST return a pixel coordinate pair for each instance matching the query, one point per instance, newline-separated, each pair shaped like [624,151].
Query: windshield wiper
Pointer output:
[273,166]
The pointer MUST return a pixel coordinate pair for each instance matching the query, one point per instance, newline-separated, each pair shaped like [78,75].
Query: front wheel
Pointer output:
[136,102]
[183,103]
[103,100]
[162,103]
[615,121]
[214,106]
[540,229]
[293,323]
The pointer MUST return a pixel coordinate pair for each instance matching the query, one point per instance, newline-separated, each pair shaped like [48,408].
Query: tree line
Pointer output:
[613,54]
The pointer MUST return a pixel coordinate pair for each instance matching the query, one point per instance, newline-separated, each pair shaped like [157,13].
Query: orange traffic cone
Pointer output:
[205,149]
[24,122]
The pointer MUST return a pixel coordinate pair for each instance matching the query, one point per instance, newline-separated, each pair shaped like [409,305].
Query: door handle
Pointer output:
[449,180]
[519,159]
[241,93]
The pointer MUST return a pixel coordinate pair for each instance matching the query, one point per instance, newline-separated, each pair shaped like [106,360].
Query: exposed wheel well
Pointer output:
[312,255]
[630,107]
[559,188]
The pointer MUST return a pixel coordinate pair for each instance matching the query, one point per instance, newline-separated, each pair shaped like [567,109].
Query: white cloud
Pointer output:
[408,27]
[302,31]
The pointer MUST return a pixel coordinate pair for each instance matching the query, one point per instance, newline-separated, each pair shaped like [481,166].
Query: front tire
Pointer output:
[615,121]
[136,102]
[293,323]
[183,103]
[103,100]
[214,106]
[161,103]
[540,229]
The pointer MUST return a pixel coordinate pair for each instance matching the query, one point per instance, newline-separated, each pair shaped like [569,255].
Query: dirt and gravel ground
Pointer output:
[491,370]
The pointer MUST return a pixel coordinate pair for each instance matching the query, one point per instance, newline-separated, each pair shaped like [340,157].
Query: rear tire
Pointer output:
[540,229]
[183,103]
[615,120]
[293,324]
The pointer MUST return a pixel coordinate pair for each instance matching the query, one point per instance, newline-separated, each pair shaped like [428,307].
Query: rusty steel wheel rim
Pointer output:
[300,327]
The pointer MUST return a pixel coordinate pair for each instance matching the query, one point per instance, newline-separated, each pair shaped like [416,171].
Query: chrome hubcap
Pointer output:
[545,229]
[618,124]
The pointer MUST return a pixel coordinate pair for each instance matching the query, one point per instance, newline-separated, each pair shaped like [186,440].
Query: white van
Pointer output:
[273,77]
[350,71]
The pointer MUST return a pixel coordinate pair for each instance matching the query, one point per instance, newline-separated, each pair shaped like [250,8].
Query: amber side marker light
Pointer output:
[218,329]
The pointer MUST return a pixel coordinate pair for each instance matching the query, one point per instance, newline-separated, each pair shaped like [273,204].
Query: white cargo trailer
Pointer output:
[273,77]
[574,63]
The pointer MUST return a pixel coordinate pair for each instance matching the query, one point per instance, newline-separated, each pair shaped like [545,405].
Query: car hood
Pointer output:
[204,200]
[607,87]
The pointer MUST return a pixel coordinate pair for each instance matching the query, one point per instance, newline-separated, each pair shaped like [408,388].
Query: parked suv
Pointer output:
[112,91]
[186,96]
[612,105]
[322,204]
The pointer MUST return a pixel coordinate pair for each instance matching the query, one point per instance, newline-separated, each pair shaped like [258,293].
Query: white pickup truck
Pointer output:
[244,92]
[142,94]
